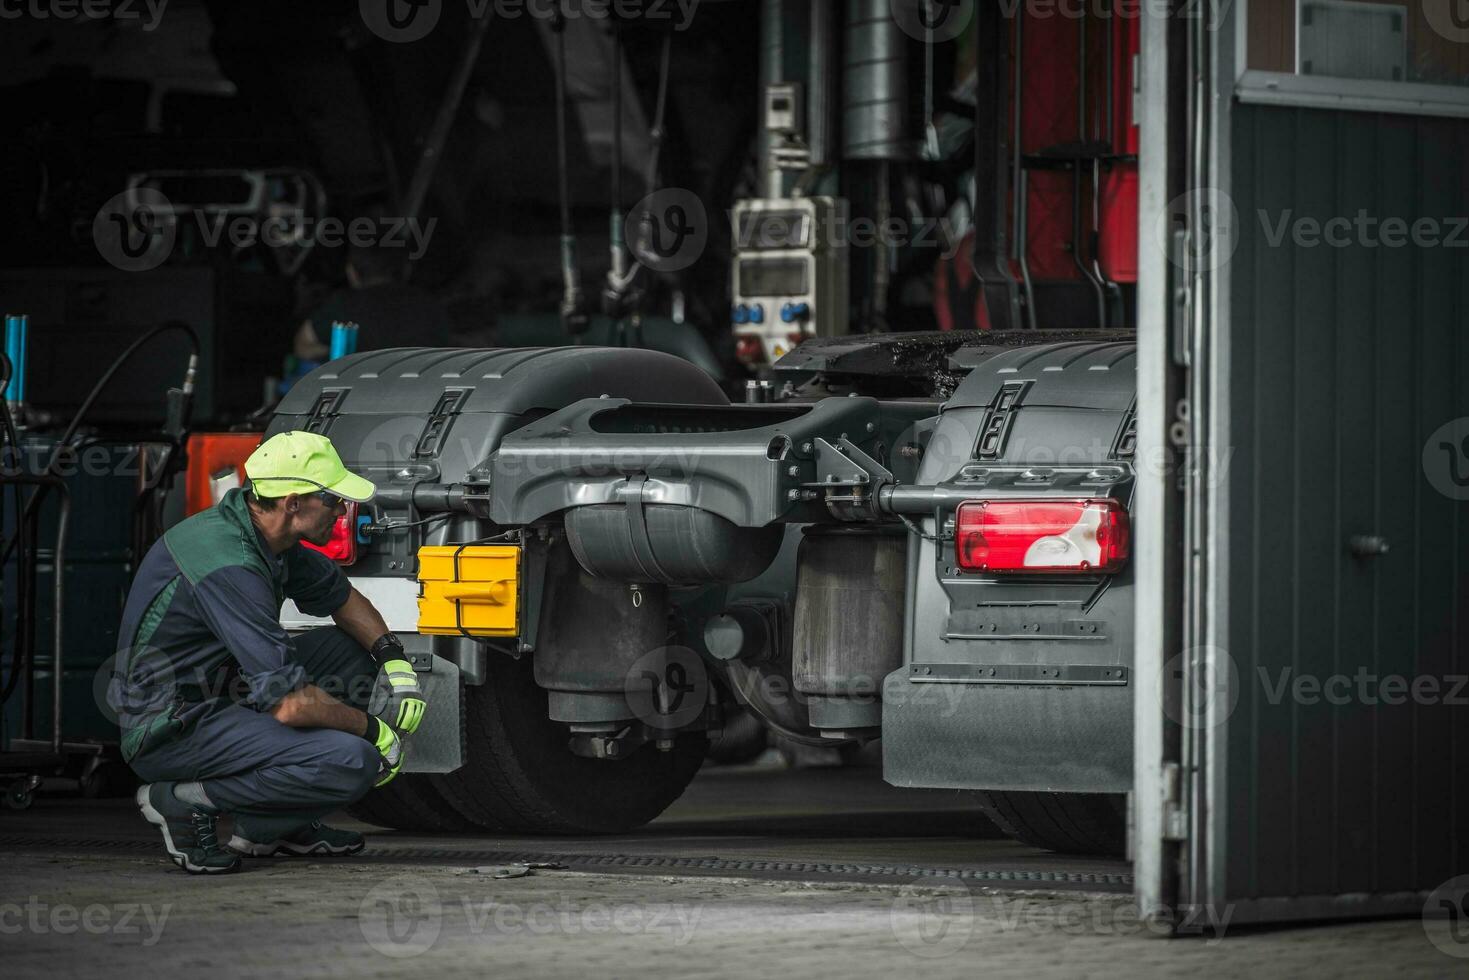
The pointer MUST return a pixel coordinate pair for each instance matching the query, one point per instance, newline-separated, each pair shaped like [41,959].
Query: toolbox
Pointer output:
[469,590]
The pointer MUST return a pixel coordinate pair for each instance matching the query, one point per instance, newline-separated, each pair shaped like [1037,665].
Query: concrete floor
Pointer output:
[814,873]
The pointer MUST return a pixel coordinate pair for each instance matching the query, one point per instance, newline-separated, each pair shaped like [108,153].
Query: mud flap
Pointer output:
[438,745]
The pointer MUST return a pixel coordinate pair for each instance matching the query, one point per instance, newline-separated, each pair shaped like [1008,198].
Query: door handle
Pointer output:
[1368,545]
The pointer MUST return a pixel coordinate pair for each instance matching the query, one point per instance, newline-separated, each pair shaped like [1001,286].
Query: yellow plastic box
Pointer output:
[469,590]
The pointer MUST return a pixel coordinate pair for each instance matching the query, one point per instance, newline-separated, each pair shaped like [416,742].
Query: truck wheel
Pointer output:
[409,803]
[519,776]
[1072,823]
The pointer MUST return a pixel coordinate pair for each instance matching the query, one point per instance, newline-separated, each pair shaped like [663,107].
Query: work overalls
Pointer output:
[203,659]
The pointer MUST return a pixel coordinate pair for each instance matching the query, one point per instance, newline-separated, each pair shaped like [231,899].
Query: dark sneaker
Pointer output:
[188,832]
[315,839]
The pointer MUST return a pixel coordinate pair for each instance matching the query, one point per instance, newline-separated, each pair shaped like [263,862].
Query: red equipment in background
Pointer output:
[1118,232]
[211,453]
[1076,163]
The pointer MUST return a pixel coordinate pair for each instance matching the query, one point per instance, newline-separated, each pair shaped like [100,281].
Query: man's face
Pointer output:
[314,520]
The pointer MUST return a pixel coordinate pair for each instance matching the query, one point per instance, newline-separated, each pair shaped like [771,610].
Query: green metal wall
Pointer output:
[1344,360]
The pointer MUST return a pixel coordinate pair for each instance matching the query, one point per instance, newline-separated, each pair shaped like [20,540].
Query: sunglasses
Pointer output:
[330,499]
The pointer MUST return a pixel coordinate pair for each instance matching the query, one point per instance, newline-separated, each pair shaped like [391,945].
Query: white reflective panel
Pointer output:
[395,598]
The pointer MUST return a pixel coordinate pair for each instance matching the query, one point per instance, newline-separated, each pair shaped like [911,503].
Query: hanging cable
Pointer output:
[655,140]
[86,406]
[660,107]
[618,276]
[384,527]
[572,314]
[919,531]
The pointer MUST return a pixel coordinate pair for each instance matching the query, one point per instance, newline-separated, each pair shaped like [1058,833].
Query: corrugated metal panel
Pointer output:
[1346,359]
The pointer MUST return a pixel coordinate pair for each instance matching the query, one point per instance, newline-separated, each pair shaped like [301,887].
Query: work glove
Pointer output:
[389,747]
[396,697]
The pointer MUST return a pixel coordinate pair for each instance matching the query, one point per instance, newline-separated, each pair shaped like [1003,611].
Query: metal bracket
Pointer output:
[1067,674]
[533,556]
[991,444]
[1175,816]
[1125,445]
[1181,247]
[324,410]
[846,466]
[631,494]
[439,422]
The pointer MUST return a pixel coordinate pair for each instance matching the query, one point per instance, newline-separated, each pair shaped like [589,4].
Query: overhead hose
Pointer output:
[660,107]
[617,274]
[572,314]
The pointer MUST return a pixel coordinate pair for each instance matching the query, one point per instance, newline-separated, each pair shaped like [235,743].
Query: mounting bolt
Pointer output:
[871,426]
[664,744]
[794,471]
[806,447]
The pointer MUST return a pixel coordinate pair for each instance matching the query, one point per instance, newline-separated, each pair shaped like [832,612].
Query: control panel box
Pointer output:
[790,274]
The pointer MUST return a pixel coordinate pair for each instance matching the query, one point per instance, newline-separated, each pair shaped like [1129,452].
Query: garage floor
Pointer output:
[815,873]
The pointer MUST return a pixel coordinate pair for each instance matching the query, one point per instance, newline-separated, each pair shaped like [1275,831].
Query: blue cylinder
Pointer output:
[16,329]
[339,340]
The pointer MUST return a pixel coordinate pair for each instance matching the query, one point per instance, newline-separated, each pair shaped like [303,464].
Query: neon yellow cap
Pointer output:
[303,462]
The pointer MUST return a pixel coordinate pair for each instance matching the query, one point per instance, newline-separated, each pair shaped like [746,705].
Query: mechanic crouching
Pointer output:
[222,711]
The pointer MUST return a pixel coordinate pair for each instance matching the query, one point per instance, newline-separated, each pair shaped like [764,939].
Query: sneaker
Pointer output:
[314,839]
[188,832]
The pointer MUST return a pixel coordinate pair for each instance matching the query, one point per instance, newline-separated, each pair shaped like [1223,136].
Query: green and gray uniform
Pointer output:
[204,659]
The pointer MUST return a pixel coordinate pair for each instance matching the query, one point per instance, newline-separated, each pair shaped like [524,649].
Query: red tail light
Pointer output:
[341,547]
[1083,536]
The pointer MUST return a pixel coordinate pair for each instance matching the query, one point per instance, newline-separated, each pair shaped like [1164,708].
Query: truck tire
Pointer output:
[1071,823]
[410,803]
[520,777]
